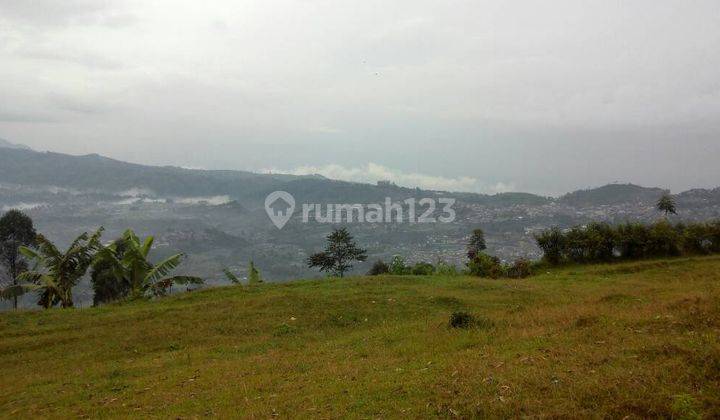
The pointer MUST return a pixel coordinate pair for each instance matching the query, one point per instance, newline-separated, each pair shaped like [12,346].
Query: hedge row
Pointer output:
[602,242]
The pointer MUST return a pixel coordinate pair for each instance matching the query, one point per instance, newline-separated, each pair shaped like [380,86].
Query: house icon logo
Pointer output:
[279,206]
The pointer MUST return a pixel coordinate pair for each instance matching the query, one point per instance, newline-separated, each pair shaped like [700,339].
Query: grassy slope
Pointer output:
[637,339]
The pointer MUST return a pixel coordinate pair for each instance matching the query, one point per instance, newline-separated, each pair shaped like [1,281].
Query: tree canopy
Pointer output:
[57,272]
[16,230]
[341,251]
[666,204]
[476,244]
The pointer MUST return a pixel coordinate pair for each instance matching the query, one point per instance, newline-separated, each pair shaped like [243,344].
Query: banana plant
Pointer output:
[128,262]
[55,272]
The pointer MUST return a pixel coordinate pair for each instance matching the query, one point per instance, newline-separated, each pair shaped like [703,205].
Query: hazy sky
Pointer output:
[540,96]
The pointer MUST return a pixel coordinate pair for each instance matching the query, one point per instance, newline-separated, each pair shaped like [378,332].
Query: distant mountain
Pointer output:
[101,174]
[612,194]
[7,144]
[95,173]
[698,197]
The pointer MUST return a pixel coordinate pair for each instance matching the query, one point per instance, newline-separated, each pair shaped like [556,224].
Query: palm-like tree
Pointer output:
[56,272]
[127,260]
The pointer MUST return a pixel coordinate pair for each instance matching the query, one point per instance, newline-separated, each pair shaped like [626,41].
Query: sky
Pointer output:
[481,96]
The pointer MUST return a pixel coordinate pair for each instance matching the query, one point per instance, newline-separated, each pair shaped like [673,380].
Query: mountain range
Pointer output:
[21,165]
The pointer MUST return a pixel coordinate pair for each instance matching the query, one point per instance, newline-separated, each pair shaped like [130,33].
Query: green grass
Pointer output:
[636,339]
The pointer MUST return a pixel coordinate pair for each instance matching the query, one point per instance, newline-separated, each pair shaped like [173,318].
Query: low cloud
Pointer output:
[373,172]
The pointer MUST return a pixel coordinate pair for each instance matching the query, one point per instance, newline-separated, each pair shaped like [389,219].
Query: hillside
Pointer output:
[613,194]
[635,339]
[97,173]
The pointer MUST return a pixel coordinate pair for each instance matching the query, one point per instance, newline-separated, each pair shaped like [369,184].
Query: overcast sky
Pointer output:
[539,96]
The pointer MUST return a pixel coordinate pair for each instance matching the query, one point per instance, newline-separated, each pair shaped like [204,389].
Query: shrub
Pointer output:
[575,245]
[632,240]
[254,276]
[444,269]
[520,269]
[696,238]
[663,240]
[423,269]
[484,265]
[379,268]
[551,242]
[714,236]
[600,242]
[462,320]
[398,267]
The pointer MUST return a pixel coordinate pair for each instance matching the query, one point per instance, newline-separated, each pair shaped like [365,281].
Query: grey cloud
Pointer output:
[550,96]
[49,13]
[80,105]
[84,59]
[20,117]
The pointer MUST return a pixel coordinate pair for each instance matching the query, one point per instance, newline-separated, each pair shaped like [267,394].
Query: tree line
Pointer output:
[602,242]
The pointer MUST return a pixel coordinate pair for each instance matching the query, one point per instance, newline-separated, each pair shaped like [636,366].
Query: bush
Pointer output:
[423,269]
[462,320]
[600,242]
[398,267]
[663,240]
[631,241]
[520,269]
[484,265]
[697,238]
[551,242]
[714,236]
[379,268]
[444,269]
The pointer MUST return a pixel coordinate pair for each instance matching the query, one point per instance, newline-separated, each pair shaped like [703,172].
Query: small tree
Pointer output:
[666,204]
[483,265]
[16,230]
[107,287]
[253,274]
[398,266]
[552,244]
[127,261]
[339,254]
[57,272]
[476,244]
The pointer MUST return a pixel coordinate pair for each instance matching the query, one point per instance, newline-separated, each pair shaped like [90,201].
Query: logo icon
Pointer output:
[279,206]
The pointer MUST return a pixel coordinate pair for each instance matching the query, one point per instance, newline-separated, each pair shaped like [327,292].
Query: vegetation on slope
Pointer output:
[634,339]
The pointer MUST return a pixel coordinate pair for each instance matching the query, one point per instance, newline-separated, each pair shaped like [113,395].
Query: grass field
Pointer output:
[635,339]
